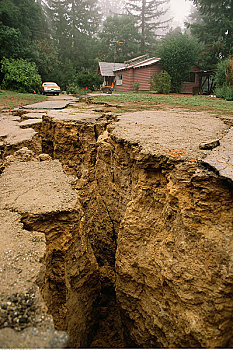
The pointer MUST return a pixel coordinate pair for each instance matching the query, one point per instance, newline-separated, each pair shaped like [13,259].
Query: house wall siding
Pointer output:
[141,75]
[127,80]
[188,87]
[144,74]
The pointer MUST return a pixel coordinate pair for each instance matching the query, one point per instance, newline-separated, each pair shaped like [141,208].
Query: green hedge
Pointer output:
[20,75]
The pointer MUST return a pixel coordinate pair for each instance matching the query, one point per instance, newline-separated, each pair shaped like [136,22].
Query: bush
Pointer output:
[220,91]
[224,92]
[161,82]
[71,89]
[229,72]
[220,75]
[20,75]
[229,93]
[224,79]
[89,80]
[136,87]
[76,90]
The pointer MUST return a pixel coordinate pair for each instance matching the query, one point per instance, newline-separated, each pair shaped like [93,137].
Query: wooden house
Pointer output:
[136,72]
[124,76]
[106,70]
[142,71]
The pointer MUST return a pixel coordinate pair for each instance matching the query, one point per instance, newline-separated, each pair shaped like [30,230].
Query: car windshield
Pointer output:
[50,84]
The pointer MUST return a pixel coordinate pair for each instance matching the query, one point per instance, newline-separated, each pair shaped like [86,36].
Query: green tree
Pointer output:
[10,42]
[59,24]
[21,24]
[64,73]
[20,75]
[120,39]
[212,24]
[148,14]
[46,59]
[74,24]
[178,52]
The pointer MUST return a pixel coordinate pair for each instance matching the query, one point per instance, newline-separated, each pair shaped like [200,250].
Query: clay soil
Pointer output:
[176,132]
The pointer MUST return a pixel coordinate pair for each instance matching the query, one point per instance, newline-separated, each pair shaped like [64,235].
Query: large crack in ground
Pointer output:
[138,232]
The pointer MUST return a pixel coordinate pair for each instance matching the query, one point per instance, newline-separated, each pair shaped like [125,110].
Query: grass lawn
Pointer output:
[147,100]
[11,99]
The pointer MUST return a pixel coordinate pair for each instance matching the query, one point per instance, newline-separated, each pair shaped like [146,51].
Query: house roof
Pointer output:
[107,68]
[144,63]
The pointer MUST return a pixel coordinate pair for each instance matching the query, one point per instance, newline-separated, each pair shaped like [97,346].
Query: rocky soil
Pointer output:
[116,229]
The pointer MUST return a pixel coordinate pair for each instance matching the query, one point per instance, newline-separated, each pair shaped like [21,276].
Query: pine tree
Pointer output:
[111,7]
[22,20]
[119,39]
[148,14]
[74,24]
[59,23]
[214,27]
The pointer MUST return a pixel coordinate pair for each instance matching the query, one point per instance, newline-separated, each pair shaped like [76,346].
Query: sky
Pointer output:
[180,9]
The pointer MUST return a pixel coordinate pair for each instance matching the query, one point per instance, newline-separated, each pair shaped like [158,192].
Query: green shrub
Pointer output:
[224,92]
[89,80]
[220,75]
[178,52]
[71,89]
[161,82]
[220,91]
[229,93]
[224,79]
[20,75]
[76,90]
[136,87]
[229,72]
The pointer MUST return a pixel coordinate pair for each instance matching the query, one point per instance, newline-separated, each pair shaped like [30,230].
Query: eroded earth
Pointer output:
[116,228]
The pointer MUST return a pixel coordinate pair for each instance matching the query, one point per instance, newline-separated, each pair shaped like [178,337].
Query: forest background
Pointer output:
[64,40]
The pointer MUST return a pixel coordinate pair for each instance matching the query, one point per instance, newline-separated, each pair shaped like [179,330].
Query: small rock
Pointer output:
[44,156]
[209,144]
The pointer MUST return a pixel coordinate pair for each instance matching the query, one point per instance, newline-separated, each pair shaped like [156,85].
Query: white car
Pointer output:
[50,88]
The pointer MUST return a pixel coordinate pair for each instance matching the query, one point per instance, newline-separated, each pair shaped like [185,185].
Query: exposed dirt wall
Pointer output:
[160,226]
[136,211]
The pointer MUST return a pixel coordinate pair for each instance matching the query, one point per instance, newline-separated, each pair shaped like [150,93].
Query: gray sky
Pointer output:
[180,9]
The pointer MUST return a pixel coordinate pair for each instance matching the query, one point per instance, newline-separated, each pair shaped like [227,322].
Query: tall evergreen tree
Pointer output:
[22,23]
[111,7]
[120,39]
[25,15]
[213,25]
[74,23]
[59,24]
[148,14]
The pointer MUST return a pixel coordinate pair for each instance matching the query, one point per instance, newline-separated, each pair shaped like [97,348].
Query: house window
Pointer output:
[119,79]
[191,77]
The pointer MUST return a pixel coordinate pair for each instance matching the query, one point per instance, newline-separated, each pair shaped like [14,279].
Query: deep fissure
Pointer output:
[124,266]
[107,330]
